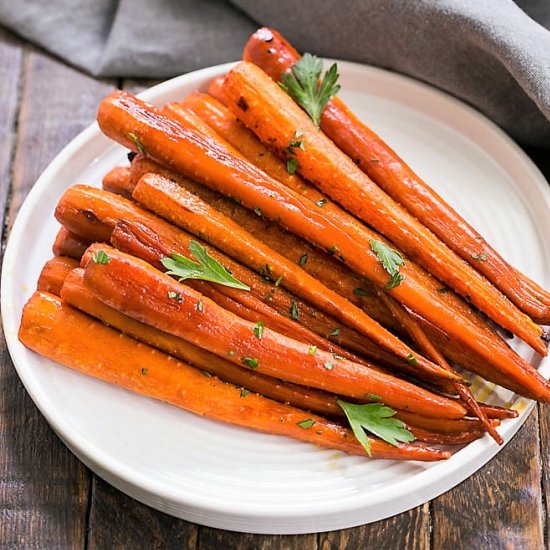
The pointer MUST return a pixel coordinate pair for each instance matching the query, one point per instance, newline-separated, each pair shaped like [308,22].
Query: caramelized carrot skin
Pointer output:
[274,117]
[188,211]
[63,334]
[69,244]
[116,181]
[76,294]
[54,273]
[183,150]
[271,52]
[93,214]
[140,291]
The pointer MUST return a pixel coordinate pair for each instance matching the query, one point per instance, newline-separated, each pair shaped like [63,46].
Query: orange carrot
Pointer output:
[136,289]
[135,239]
[62,334]
[69,244]
[94,213]
[215,89]
[182,208]
[266,109]
[184,150]
[76,294]
[272,53]
[116,181]
[54,273]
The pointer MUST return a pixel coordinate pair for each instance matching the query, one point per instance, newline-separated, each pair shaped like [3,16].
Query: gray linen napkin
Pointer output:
[489,53]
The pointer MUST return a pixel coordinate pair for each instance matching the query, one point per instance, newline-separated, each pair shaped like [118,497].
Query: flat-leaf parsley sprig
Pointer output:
[377,419]
[391,260]
[207,268]
[303,86]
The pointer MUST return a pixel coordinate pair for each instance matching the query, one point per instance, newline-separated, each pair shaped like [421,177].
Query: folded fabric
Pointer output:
[489,53]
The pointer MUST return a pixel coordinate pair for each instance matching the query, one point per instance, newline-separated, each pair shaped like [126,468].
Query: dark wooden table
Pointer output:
[49,500]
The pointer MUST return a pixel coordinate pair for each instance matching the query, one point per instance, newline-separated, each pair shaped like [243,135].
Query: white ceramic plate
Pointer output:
[231,478]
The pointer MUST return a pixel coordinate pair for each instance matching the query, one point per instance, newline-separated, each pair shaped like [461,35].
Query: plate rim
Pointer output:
[125,479]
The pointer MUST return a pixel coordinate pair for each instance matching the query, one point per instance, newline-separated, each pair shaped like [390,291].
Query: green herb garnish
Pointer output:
[291,165]
[101,257]
[411,359]
[244,392]
[200,305]
[306,424]
[258,330]
[207,268]
[329,365]
[360,292]
[312,350]
[335,332]
[251,362]
[175,296]
[294,313]
[144,372]
[377,419]
[279,281]
[302,84]
[321,202]
[303,259]
[231,353]
[391,260]
[137,141]
[482,257]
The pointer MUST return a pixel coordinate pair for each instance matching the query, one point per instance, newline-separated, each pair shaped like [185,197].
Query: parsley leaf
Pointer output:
[251,362]
[101,257]
[377,419]
[207,268]
[390,259]
[306,424]
[291,165]
[137,141]
[302,84]
[258,330]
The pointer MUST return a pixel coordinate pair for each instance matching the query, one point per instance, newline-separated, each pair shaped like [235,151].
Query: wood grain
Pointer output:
[410,531]
[214,539]
[500,506]
[44,488]
[118,521]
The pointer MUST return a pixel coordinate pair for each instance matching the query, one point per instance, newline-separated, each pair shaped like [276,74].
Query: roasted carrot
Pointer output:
[137,240]
[69,244]
[62,334]
[54,273]
[184,150]
[418,335]
[136,289]
[215,89]
[319,264]
[272,53]
[75,293]
[267,110]
[94,213]
[184,209]
[116,181]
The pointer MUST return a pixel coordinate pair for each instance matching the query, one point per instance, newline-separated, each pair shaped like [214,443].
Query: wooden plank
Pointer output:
[11,60]
[44,488]
[410,530]
[214,539]
[544,426]
[500,506]
[118,521]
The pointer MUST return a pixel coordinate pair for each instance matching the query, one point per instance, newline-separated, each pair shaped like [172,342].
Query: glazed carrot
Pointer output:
[69,244]
[136,289]
[135,239]
[319,264]
[444,426]
[266,109]
[272,53]
[445,439]
[419,336]
[54,273]
[62,334]
[215,89]
[93,214]
[184,209]
[76,294]
[116,181]
[184,150]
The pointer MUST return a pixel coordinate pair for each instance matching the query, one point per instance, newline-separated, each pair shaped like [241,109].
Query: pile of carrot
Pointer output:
[267,260]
